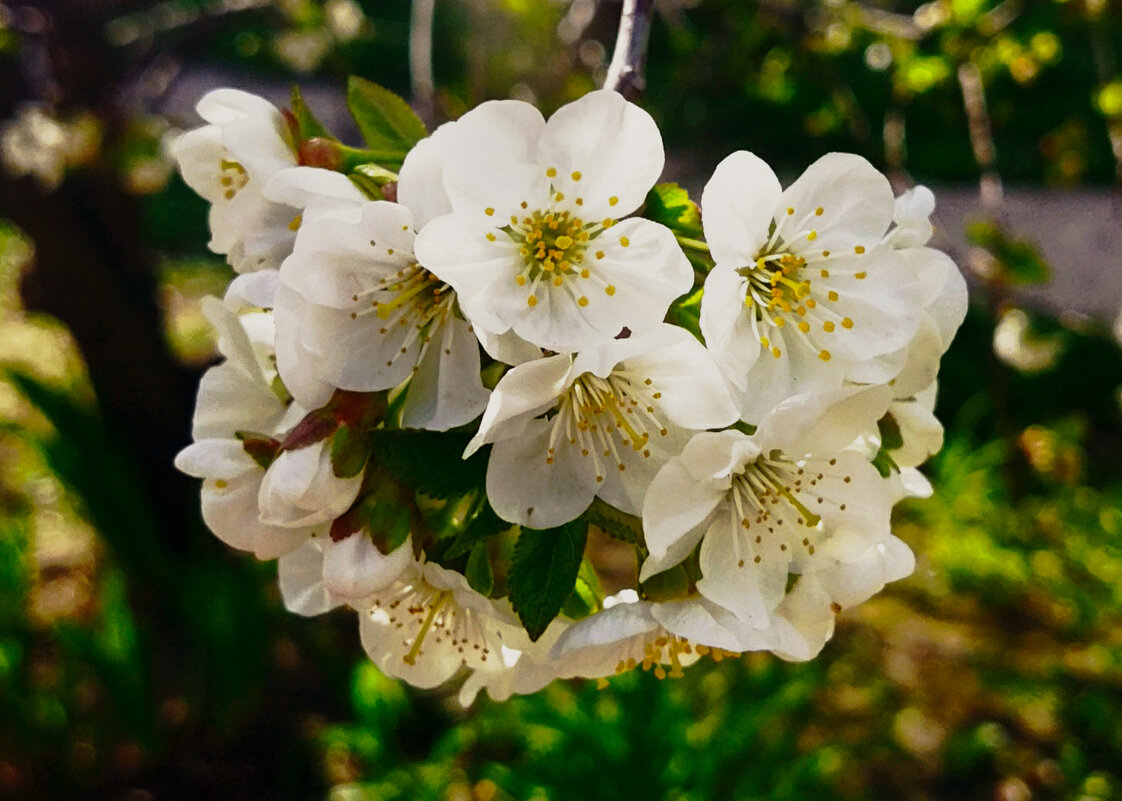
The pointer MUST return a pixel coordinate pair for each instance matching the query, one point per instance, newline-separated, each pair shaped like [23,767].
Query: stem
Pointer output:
[420,60]
[981,133]
[692,244]
[625,73]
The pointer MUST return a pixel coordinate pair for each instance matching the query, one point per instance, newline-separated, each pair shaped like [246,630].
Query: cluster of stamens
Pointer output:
[420,612]
[411,297]
[602,416]
[554,244]
[769,490]
[233,178]
[781,291]
[665,649]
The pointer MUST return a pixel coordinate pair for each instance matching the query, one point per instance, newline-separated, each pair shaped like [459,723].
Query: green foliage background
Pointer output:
[132,666]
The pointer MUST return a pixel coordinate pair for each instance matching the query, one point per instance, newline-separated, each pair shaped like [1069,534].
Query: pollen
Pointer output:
[295,224]
[551,172]
[610,289]
[860,276]
[812,236]
[490,212]
[576,175]
[613,200]
[490,237]
[832,295]
[818,211]
[825,273]
[859,249]
[824,355]
[532,301]
[847,323]
[599,254]
[582,301]
[804,326]
[623,240]
[828,326]
[776,352]
[790,211]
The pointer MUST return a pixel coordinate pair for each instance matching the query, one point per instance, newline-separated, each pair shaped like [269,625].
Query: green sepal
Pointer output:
[350,447]
[261,448]
[890,437]
[885,464]
[478,571]
[670,205]
[385,120]
[544,572]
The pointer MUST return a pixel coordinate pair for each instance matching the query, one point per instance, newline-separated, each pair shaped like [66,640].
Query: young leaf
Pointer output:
[478,571]
[384,119]
[543,573]
[307,126]
[670,205]
[429,461]
[349,448]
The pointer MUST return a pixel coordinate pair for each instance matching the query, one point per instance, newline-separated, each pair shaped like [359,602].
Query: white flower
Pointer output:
[429,623]
[323,574]
[532,243]
[234,396]
[804,295]
[567,429]
[788,499]
[300,488]
[357,312]
[666,637]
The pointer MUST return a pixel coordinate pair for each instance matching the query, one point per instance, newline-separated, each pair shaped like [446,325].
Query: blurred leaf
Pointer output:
[482,526]
[385,120]
[478,571]
[1017,260]
[670,205]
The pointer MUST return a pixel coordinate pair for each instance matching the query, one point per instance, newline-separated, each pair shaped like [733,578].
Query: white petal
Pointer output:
[222,459]
[731,579]
[737,206]
[675,507]
[420,182]
[856,202]
[726,325]
[446,391]
[354,568]
[613,146]
[823,423]
[300,577]
[523,393]
[524,489]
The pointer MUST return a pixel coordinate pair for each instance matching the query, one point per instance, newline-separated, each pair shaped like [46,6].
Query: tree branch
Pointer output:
[420,60]
[625,73]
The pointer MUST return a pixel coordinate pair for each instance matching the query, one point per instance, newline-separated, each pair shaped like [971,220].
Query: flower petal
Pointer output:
[737,207]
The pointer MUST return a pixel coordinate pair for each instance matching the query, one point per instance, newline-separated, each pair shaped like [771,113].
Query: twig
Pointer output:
[420,60]
[625,73]
[981,133]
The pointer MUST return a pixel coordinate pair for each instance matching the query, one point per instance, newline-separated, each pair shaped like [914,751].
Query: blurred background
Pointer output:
[142,659]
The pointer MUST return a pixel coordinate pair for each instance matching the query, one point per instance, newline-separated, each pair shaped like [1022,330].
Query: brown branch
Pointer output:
[981,133]
[420,60]
[625,73]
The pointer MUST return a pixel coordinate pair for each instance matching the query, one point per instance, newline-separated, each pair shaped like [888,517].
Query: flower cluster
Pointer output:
[463,369]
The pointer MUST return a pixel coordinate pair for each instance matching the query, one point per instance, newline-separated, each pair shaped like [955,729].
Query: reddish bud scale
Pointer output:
[320,152]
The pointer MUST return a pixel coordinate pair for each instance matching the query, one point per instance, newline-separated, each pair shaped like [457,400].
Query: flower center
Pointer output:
[421,612]
[232,177]
[661,649]
[412,297]
[789,286]
[768,494]
[604,417]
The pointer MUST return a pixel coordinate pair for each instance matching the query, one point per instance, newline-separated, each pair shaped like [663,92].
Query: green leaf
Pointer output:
[616,524]
[544,571]
[384,119]
[430,462]
[670,205]
[478,571]
[482,526]
[307,126]
[350,446]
